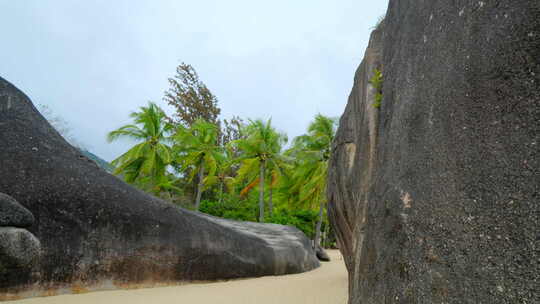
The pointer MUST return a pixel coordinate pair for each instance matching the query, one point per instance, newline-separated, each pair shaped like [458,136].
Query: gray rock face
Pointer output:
[98,232]
[353,160]
[434,196]
[19,249]
[19,258]
[321,254]
[13,214]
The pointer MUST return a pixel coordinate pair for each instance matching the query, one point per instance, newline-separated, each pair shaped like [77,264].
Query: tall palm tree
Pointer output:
[276,171]
[259,148]
[145,163]
[312,152]
[225,172]
[198,150]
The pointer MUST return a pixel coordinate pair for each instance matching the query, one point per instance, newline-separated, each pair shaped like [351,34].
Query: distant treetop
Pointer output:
[191,98]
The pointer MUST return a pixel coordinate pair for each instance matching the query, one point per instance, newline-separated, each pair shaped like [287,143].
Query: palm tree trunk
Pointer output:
[270,205]
[317,241]
[199,188]
[325,235]
[261,193]
[221,192]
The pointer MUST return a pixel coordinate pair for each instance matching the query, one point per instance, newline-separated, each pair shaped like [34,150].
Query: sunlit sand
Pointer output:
[327,284]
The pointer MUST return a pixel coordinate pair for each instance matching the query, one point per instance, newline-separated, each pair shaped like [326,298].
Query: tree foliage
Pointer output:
[191,98]
[145,163]
[197,149]
[259,149]
[311,153]
[235,170]
[231,130]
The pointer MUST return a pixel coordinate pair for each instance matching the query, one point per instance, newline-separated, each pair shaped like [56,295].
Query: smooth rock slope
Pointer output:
[98,232]
[434,195]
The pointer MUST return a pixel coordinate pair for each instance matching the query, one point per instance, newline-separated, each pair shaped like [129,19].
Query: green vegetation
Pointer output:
[98,160]
[190,97]
[377,83]
[230,169]
[144,165]
[259,151]
[312,152]
[197,150]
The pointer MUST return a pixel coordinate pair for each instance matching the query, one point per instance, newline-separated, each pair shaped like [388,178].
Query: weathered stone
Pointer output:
[321,254]
[13,214]
[434,196]
[19,257]
[356,136]
[95,229]
[18,248]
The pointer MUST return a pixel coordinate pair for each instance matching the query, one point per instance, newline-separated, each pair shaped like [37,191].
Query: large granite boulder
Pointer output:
[98,232]
[434,196]
[13,214]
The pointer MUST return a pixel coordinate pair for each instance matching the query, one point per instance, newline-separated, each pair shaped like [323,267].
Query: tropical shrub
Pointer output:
[377,83]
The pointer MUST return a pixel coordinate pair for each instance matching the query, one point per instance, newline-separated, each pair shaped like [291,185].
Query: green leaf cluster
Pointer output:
[196,149]
[145,163]
[377,83]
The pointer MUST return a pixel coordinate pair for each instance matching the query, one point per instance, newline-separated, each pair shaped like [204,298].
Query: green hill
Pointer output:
[99,161]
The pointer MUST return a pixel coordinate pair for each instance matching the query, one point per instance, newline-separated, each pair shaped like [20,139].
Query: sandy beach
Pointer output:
[325,285]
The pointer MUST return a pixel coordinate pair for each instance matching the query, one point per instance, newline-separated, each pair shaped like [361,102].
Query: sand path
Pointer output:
[325,285]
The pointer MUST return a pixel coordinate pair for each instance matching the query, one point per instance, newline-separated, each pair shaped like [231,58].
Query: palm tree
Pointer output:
[225,172]
[145,163]
[260,148]
[166,187]
[276,171]
[198,150]
[312,152]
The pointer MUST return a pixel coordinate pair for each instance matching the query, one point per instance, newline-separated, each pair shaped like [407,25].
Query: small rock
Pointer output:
[321,254]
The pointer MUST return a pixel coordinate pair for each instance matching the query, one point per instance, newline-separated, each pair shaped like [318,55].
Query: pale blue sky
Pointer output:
[93,62]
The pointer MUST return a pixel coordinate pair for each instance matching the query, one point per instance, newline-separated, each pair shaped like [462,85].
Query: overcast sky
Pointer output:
[93,62]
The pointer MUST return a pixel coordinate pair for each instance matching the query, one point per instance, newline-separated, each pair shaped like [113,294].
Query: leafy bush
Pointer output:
[247,210]
[241,210]
[302,219]
[377,83]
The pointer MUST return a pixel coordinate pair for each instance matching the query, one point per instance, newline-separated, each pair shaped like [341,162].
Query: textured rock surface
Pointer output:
[352,164]
[321,254]
[98,232]
[19,255]
[434,196]
[13,214]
